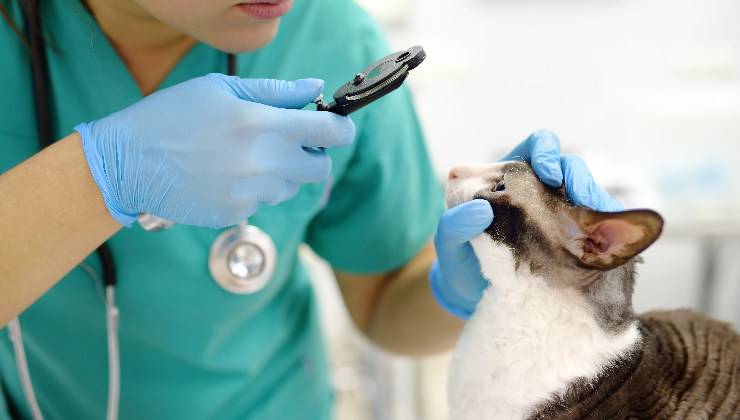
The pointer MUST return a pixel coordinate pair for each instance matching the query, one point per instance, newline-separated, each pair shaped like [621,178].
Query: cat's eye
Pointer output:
[500,186]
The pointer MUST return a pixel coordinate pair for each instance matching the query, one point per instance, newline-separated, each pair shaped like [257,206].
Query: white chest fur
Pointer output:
[526,342]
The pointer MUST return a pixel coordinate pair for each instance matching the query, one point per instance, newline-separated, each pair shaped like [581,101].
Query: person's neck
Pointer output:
[149,47]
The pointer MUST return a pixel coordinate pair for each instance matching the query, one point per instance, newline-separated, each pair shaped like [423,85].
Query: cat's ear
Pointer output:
[607,240]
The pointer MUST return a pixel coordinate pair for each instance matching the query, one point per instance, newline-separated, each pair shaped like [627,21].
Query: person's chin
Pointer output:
[257,37]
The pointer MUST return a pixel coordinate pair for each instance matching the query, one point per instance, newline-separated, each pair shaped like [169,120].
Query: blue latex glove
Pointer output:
[455,277]
[209,151]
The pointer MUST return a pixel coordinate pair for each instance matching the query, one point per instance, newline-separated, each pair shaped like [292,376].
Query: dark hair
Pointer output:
[5,13]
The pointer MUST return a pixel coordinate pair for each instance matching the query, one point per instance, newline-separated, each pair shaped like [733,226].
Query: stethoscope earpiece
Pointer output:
[242,259]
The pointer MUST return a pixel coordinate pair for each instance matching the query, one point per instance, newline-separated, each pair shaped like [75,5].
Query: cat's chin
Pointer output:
[496,260]
[456,196]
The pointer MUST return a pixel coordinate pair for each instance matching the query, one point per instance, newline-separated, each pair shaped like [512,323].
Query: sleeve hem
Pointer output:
[374,265]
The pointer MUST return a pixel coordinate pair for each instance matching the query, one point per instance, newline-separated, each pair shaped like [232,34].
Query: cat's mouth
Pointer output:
[466,183]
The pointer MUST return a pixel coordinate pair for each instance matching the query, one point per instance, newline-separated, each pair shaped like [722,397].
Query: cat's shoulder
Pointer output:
[685,321]
[690,340]
[692,360]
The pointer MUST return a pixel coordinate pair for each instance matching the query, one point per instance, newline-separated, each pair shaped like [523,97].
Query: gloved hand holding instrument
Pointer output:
[261,148]
[455,277]
[247,142]
[212,164]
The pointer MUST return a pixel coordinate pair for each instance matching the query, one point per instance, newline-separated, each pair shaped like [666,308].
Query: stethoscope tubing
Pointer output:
[16,337]
[114,355]
[15,333]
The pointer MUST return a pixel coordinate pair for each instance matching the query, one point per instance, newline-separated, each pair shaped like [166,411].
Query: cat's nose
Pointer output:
[470,171]
[463,171]
[456,172]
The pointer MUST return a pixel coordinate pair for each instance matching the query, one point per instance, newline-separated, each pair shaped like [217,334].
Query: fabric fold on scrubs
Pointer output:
[387,203]
[4,409]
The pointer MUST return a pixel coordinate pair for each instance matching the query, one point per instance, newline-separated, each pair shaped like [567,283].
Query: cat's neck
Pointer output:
[526,342]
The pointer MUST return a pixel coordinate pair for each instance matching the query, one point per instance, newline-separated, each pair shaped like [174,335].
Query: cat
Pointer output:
[555,336]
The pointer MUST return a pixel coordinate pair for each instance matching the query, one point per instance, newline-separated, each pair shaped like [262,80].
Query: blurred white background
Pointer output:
[647,91]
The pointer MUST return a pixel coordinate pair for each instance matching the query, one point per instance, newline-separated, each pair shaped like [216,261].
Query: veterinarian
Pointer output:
[208,152]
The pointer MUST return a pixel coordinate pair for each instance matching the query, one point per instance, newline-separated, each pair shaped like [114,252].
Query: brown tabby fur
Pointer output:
[686,367]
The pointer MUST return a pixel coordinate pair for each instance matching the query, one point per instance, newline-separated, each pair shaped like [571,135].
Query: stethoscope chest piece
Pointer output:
[242,259]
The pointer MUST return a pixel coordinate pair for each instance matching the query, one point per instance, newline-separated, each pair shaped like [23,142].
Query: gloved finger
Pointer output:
[541,150]
[248,210]
[239,212]
[288,161]
[287,191]
[276,93]
[313,129]
[264,188]
[291,190]
[463,223]
[310,166]
[242,212]
[582,189]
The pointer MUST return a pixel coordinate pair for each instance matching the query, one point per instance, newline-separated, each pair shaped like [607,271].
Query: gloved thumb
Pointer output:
[583,190]
[463,223]
[541,150]
[278,93]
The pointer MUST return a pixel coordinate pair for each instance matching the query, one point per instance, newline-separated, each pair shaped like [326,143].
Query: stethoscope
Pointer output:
[242,259]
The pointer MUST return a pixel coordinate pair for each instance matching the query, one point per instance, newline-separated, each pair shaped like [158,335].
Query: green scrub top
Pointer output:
[189,349]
